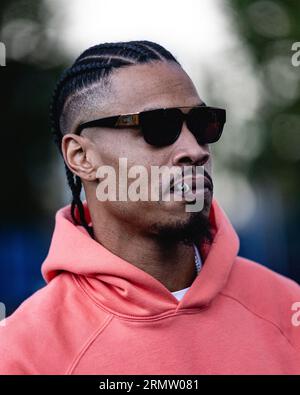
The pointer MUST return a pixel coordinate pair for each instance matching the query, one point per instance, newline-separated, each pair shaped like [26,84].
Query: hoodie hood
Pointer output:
[122,288]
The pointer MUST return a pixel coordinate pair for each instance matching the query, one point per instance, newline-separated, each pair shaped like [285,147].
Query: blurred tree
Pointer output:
[33,64]
[27,81]
[268,29]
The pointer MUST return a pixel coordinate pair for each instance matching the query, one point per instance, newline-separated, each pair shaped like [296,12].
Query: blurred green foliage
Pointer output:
[268,29]
[26,83]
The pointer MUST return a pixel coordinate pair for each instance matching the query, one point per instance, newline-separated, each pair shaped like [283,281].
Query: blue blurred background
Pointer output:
[239,55]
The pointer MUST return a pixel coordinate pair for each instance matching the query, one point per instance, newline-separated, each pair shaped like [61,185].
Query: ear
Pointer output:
[74,150]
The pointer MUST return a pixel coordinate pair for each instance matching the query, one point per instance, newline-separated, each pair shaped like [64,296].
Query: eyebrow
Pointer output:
[157,108]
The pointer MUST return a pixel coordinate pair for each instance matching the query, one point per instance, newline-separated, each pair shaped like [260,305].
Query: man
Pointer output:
[146,286]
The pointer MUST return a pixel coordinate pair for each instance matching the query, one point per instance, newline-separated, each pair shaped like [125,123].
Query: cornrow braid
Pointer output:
[93,65]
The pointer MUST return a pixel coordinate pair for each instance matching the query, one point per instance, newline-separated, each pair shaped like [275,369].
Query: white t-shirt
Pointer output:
[180,294]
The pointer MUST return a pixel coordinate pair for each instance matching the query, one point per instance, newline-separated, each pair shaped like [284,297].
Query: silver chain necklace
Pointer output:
[197,259]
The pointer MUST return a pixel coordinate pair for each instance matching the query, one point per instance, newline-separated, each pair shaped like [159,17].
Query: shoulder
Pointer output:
[268,295]
[262,276]
[41,336]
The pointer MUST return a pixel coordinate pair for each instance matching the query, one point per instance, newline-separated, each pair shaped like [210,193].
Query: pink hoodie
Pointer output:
[99,314]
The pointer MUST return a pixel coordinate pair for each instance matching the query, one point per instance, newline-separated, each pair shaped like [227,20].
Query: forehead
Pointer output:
[160,84]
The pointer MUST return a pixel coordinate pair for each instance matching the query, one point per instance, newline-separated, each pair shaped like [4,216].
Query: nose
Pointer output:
[187,151]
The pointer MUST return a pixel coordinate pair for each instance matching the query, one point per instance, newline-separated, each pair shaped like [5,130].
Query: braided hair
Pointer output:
[94,65]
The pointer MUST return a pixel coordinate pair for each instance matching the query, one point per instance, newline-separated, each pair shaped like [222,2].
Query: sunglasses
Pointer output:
[162,127]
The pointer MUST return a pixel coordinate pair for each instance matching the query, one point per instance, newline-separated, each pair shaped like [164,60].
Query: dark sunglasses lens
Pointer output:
[206,124]
[161,127]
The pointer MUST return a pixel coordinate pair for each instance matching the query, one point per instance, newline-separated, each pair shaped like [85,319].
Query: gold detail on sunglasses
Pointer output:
[125,120]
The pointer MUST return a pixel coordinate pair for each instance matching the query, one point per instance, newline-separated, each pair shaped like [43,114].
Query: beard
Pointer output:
[196,229]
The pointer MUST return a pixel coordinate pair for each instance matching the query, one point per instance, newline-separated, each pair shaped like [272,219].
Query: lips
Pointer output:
[192,181]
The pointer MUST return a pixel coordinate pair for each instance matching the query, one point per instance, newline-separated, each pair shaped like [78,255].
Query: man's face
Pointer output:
[134,89]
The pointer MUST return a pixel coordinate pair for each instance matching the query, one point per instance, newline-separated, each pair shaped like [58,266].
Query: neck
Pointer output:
[173,264]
